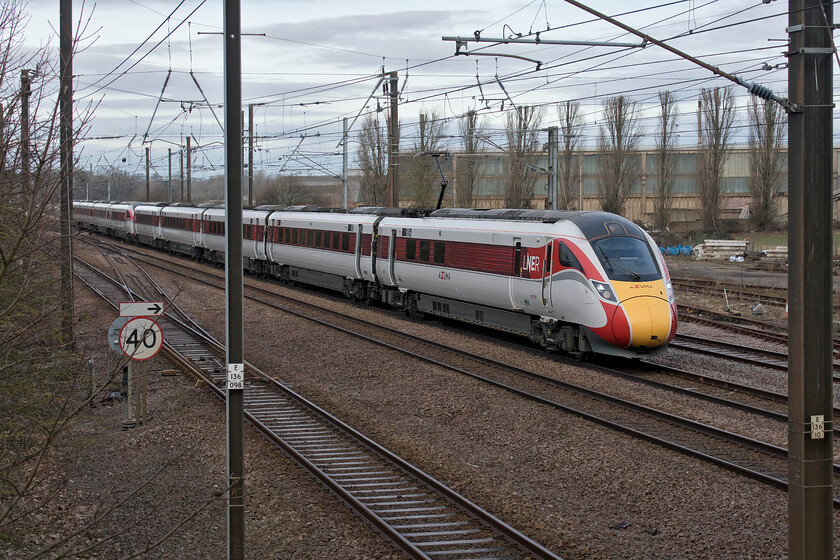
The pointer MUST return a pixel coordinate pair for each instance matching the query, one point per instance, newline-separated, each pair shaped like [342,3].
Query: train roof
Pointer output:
[380,211]
[594,225]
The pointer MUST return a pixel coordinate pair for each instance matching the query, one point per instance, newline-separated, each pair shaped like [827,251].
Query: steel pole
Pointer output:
[66,205]
[25,92]
[810,385]
[251,154]
[344,163]
[552,167]
[235,334]
[394,144]
[169,181]
[147,174]
[189,170]
[181,172]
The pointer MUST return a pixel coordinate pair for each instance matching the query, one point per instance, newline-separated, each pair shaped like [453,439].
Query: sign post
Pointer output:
[141,308]
[136,334]
[141,338]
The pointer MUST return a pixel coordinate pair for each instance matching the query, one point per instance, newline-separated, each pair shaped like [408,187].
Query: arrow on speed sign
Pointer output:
[141,338]
[141,308]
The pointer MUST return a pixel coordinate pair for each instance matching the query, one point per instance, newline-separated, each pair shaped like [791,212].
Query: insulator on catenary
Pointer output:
[758,90]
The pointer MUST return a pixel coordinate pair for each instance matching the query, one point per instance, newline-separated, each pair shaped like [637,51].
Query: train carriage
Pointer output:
[213,242]
[180,228]
[254,252]
[570,280]
[331,250]
[115,219]
[83,214]
[99,216]
[147,224]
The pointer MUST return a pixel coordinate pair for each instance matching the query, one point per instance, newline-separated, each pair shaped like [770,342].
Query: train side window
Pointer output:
[309,238]
[319,238]
[295,236]
[336,239]
[424,251]
[410,249]
[345,242]
[440,253]
[567,258]
[517,260]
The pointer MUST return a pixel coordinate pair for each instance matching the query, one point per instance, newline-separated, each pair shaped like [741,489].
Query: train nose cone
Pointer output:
[649,319]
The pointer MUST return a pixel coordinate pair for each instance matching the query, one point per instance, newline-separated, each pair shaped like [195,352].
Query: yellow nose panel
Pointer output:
[650,320]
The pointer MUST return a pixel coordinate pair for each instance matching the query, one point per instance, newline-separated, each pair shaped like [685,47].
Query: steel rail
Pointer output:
[743,325]
[737,352]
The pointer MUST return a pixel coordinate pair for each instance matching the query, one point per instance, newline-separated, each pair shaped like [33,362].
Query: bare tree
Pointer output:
[38,369]
[372,154]
[421,172]
[40,372]
[521,128]
[283,190]
[768,126]
[619,166]
[666,157]
[568,168]
[470,129]
[717,115]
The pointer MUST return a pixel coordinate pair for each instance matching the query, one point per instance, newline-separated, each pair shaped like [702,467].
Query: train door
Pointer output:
[546,275]
[358,249]
[392,255]
[517,270]
[196,229]
[263,246]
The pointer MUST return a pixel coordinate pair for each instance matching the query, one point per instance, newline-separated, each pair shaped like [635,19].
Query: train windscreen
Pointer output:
[627,259]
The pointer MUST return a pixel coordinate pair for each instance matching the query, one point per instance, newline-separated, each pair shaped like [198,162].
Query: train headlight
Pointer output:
[604,290]
[669,289]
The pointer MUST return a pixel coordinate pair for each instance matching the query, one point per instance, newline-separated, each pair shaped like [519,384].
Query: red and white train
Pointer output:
[577,282]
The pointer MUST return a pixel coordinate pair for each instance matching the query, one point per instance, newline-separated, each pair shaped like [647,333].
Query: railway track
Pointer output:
[765,295]
[421,516]
[765,330]
[737,352]
[761,461]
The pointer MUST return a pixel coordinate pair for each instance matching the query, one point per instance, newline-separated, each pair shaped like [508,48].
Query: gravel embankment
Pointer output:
[564,481]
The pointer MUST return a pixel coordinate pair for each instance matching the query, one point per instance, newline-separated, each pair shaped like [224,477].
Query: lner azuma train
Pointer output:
[577,282]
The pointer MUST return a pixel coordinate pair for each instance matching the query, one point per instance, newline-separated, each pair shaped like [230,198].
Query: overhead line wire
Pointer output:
[124,72]
[146,40]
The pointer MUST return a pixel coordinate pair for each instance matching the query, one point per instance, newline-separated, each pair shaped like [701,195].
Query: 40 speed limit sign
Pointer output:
[141,338]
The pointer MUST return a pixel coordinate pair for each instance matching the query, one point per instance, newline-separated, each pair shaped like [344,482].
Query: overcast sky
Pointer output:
[319,61]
